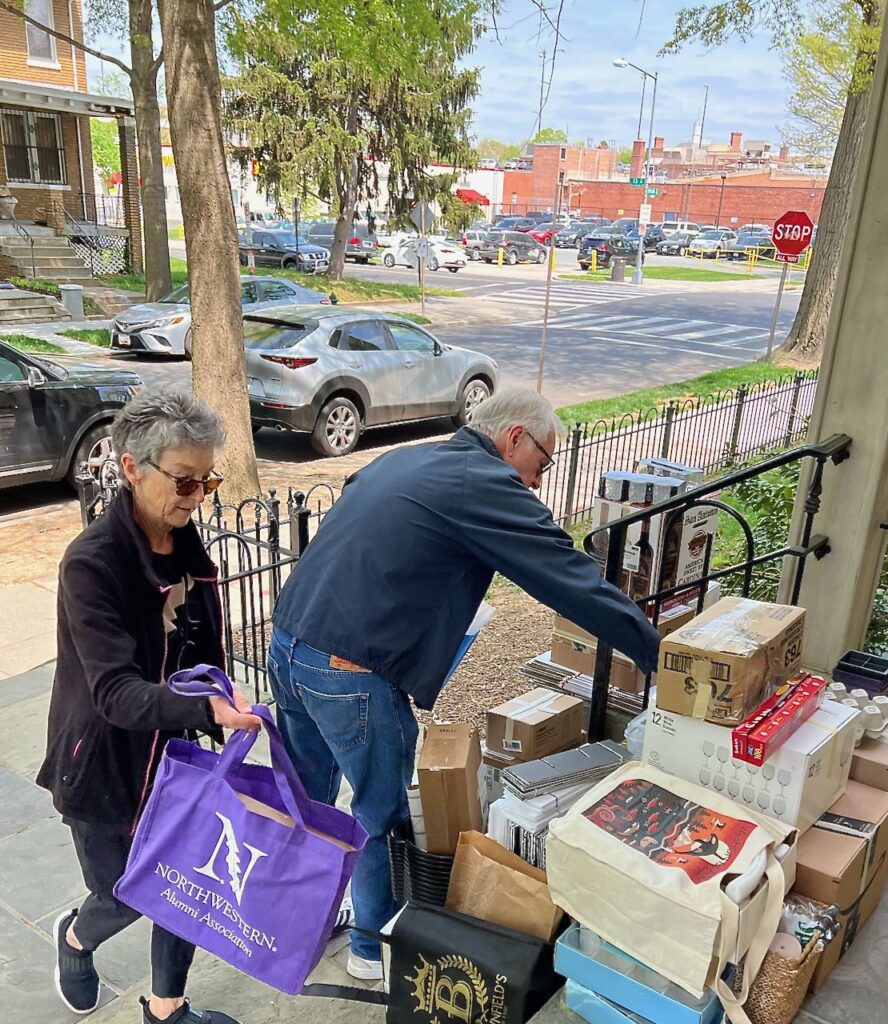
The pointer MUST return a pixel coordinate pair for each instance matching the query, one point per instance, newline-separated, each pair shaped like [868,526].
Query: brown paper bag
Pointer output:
[495,885]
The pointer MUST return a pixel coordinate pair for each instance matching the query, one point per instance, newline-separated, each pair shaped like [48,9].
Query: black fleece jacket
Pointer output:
[110,713]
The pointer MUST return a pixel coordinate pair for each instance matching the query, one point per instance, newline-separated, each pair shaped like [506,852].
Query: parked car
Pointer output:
[361,245]
[652,237]
[441,254]
[333,373]
[55,414]
[488,164]
[387,239]
[517,248]
[571,236]
[711,242]
[524,165]
[165,326]
[543,233]
[605,246]
[510,165]
[623,225]
[594,219]
[516,224]
[754,229]
[748,242]
[473,241]
[676,243]
[680,227]
[281,248]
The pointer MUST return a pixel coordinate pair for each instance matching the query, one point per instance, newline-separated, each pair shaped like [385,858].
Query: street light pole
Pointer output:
[721,196]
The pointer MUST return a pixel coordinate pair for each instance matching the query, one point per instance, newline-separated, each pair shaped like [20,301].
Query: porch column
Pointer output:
[852,398]
[132,211]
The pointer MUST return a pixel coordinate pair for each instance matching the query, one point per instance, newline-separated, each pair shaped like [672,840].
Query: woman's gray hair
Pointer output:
[163,418]
[516,407]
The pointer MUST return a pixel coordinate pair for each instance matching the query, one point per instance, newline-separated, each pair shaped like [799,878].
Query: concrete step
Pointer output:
[9,318]
[16,241]
[41,260]
[29,301]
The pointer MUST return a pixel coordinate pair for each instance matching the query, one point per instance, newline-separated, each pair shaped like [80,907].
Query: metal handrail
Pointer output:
[20,229]
[835,449]
[89,241]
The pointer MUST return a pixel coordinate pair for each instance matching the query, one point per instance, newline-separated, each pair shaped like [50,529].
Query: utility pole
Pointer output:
[542,89]
[703,118]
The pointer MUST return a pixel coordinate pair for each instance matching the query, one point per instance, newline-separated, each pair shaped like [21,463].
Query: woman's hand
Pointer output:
[237,717]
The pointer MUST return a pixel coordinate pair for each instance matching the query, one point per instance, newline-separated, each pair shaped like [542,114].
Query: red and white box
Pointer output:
[777,718]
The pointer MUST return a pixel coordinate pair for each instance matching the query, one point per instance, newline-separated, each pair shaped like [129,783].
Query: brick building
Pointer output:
[45,109]
[534,188]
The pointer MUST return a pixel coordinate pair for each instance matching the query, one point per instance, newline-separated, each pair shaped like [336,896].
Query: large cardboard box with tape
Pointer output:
[719,665]
[535,724]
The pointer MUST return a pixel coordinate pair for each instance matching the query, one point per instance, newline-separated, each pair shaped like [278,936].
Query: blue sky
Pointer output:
[591,98]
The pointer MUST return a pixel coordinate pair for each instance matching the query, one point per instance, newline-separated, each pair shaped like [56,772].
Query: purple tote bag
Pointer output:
[234,857]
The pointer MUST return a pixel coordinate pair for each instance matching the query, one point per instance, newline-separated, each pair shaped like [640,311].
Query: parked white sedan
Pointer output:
[440,254]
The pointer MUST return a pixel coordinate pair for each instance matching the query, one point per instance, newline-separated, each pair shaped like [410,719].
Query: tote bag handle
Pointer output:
[209,681]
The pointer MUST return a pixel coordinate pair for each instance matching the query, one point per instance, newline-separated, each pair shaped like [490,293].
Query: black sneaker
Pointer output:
[76,979]
[186,1014]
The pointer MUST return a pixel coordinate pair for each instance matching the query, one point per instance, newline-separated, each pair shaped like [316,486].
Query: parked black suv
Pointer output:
[517,248]
[516,223]
[362,244]
[55,414]
[281,248]
[605,247]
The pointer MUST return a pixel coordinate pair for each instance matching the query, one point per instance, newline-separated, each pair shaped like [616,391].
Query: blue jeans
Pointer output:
[355,724]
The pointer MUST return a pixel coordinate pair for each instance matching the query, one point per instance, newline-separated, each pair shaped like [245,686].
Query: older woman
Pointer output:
[137,601]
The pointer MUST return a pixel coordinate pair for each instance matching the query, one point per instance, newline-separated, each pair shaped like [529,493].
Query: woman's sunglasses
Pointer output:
[187,485]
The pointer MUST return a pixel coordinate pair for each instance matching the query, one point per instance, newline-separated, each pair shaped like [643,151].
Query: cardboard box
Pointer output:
[585,958]
[870,763]
[861,816]
[449,781]
[535,724]
[803,778]
[575,648]
[718,666]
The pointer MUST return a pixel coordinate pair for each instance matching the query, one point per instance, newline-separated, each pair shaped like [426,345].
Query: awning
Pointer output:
[469,195]
[63,101]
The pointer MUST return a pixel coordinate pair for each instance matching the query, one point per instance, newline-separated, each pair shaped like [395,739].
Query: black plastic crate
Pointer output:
[859,669]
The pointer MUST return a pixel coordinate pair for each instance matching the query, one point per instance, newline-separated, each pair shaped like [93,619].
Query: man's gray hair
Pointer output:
[514,407]
[160,419]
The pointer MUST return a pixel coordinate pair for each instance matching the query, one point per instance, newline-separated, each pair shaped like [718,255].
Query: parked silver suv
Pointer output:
[332,373]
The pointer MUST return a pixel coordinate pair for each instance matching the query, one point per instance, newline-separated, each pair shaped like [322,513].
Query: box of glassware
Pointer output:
[795,785]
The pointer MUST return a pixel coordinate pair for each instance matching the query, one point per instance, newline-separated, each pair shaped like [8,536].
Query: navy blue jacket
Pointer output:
[403,559]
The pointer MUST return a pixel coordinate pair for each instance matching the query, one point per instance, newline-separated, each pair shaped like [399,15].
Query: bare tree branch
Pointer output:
[19,13]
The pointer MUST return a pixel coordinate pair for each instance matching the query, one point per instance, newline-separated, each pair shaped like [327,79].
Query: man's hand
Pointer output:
[237,717]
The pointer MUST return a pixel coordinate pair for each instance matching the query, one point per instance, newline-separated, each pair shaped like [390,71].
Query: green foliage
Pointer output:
[98,336]
[325,90]
[834,57]
[625,155]
[500,151]
[714,24]
[25,343]
[877,635]
[105,146]
[551,135]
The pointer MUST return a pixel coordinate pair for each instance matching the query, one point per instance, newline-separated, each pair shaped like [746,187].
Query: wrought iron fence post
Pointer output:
[734,443]
[793,408]
[572,467]
[669,416]
[87,490]
[302,514]
[274,540]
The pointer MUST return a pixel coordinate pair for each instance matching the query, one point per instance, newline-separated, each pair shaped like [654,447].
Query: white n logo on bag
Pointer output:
[236,878]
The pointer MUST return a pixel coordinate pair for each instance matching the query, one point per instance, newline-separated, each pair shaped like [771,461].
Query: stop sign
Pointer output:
[792,235]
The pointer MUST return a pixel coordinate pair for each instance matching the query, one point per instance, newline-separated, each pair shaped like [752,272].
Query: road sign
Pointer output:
[636,181]
[644,214]
[792,235]
[422,248]
[422,216]
[653,191]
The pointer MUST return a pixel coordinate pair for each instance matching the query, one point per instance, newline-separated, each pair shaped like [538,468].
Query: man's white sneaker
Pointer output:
[364,970]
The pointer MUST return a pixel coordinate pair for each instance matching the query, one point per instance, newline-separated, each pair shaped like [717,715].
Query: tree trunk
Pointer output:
[143,80]
[804,344]
[194,103]
[348,200]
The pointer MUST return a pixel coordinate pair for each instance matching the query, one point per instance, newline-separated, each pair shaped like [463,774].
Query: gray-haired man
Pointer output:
[376,609]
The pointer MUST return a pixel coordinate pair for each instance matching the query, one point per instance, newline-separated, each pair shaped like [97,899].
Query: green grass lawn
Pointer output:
[698,387]
[25,343]
[347,289]
[666,274]
[98,336]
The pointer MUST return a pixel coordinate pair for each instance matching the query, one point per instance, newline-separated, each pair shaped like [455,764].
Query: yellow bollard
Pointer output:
[593,263]
[552,257]
[499,256]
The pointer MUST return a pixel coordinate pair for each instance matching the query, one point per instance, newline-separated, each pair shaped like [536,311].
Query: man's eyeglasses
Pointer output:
[187,485]
[550,462]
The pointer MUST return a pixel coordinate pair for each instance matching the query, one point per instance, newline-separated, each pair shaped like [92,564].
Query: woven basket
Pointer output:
[779,990]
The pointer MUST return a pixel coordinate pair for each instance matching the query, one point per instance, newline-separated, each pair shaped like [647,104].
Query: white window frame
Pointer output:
[37,61]
[30,119]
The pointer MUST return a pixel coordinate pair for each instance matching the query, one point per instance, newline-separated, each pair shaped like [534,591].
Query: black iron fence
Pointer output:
[255,544]
[713,433]
[834,450]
